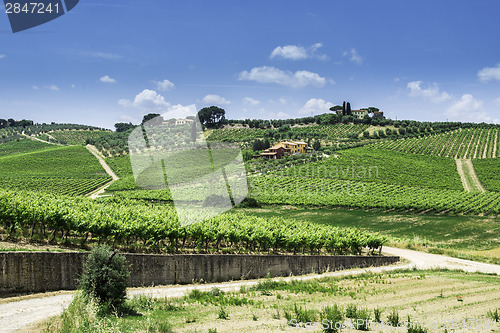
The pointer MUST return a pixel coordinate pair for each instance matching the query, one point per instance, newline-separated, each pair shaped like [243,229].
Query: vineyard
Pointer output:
[22,146]
[382,166]
[236,134]
[488,172]
[327,132]
[77,137]
[365,195]
[130,224]
[469,143]
[61,170]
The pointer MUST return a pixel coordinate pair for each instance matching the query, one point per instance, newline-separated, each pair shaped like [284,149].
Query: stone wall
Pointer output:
[22,272]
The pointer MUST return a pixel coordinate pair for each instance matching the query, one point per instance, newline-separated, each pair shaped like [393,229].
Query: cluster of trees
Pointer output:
[260,145]
[15,123]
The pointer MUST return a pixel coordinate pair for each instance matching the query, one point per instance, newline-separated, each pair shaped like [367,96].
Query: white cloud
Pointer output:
[36,88]
[215,99]
[269,74]
[164,85]
[2,56]
[283,100]
[292,52]
[489,73]
[315,106]
[497,100]
[147,100]
[107,79]
[354,56]
[295,52]
[180,111]
[250,101]
[431,93]
[469,109]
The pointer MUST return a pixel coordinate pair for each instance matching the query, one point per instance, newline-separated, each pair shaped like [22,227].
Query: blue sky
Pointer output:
[116,60]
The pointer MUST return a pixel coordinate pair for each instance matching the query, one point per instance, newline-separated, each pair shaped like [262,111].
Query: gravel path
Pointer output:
[18,315]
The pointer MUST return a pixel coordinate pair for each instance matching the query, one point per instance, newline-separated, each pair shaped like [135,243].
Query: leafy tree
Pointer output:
[317,145]
[257,145]
[366,134]
[105,276]
[149,116]
[212,116]
[335,108]
[123,127]
[348,109]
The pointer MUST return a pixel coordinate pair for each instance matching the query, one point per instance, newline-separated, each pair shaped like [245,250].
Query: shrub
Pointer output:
[105,277]
[393,318]
[223,314]
[377,313]
[362,320]
[333,314]
[494,315]
[350,311]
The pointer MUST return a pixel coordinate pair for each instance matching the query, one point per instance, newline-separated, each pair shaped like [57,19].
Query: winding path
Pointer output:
[19,315]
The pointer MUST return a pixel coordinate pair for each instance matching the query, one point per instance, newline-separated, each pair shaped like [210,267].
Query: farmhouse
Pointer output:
[360,114]
[286,148]
[183,121]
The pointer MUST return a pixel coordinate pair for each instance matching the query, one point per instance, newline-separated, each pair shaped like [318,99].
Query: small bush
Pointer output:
[105,277]
[351,311]
[223,314]
[494,315]
[377,313]
[304,315]
[393,318]
[333,314]
[363,319]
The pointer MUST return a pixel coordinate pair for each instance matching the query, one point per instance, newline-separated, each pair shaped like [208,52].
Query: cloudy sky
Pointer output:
[115,60]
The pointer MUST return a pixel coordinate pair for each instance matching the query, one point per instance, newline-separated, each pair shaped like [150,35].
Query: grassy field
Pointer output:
[455,301]
[468,237]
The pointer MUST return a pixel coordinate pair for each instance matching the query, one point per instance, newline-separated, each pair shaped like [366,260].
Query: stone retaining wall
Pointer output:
[22,272]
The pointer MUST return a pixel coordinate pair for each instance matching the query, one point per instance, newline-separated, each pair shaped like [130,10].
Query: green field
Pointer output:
[62,170]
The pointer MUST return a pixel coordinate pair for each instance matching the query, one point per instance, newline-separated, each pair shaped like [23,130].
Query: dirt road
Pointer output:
[468,175]
[17,315]
[94,194]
